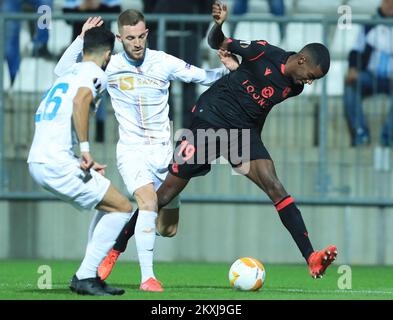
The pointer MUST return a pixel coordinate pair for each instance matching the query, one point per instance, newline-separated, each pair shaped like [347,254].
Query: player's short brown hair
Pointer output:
[130,17]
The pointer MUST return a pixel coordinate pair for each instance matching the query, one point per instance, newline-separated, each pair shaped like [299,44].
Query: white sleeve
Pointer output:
[94,78]
[69,57]
[181,70]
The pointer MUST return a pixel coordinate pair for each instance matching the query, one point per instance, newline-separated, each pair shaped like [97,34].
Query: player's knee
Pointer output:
[163,200]
[167,231]
[171,232]
[275,188]
[149,205]
[125,205]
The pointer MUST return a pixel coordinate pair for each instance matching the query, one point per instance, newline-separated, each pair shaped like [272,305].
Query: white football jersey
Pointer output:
[53,137]
[139,94]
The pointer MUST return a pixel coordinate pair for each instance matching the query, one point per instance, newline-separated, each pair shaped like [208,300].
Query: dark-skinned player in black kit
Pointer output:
[241,101]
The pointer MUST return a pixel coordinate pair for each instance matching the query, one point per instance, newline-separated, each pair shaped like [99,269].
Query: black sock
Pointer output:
[126,233]
[292,219]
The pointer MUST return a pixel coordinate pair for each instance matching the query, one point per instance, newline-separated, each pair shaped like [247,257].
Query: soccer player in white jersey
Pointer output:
[138,82]
[60,121]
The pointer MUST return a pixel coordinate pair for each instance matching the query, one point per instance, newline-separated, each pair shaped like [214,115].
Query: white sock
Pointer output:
[94,221]
[103,239]
[145,236]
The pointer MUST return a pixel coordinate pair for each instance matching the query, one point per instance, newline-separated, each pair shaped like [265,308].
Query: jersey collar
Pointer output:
[133,62]
[284,61]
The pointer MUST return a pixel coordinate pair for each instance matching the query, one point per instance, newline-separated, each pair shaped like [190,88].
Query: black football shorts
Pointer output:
[200,145]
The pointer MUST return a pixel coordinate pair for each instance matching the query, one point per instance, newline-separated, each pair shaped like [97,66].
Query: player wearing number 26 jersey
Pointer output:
[54,135]
[62,119]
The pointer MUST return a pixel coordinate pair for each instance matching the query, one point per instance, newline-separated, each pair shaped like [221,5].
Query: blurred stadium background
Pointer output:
[345,195]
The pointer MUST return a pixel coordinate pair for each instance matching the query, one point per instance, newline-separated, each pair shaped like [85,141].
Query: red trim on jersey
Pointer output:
[282,68]
[257,57]
[263,42]
[229,40]
[193,108]
[267,71]
[286,91]
[284,203]
[175,168]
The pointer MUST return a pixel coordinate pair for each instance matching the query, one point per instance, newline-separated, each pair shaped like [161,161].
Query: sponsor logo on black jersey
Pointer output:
[245,44]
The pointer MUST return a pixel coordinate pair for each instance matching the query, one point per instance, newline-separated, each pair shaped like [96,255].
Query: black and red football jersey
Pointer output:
[243,98]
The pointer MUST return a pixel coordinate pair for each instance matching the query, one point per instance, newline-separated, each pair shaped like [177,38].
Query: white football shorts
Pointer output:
[66,182]
[140,165]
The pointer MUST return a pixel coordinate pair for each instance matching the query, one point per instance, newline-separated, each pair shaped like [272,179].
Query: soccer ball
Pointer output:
[247,274]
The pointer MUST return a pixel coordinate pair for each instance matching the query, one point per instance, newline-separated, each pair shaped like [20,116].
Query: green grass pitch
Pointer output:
[196,281]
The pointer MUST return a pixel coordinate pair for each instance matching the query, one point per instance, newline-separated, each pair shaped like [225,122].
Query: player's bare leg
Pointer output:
[85,281]
[169,189]
[262,172]
[167,222]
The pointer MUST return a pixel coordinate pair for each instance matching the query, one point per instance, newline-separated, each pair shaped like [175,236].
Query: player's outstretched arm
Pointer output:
[80,117]
[216,37]
[182,71]
[70,56]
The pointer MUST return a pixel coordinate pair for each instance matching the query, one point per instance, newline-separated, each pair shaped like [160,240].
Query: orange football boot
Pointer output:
[106,266]
[151,285]
[320,260]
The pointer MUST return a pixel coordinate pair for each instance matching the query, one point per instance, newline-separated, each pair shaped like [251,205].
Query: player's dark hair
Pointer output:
[130,17]
[318,54]
[97,40]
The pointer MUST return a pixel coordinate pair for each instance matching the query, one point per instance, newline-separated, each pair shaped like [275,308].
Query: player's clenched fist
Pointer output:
[86,161]
[219,12]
